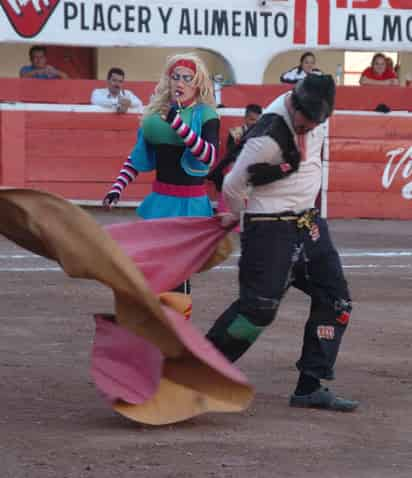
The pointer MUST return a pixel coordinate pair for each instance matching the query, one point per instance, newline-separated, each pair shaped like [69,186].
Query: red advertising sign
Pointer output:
[28,17]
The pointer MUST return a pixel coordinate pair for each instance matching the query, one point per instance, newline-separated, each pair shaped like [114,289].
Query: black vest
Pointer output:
[270,124]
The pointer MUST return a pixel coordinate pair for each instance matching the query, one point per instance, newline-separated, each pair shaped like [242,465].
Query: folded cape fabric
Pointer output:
[124,366]
[172,372]
[169,251]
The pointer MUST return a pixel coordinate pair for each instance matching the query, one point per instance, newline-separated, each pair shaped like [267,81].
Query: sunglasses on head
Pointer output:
[186,78]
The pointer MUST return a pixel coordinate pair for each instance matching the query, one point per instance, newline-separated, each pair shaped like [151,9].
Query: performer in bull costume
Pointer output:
[285,242]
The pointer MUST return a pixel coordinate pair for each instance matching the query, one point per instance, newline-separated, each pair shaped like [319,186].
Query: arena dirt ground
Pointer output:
[54,424]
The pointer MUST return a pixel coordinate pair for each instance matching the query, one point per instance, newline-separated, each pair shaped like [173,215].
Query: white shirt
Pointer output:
[296,74]
[293,193]
[103,97]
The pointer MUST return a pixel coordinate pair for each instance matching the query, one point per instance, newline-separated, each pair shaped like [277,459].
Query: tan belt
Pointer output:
[303,220]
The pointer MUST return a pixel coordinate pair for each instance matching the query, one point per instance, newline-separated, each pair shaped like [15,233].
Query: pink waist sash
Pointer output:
[179,190]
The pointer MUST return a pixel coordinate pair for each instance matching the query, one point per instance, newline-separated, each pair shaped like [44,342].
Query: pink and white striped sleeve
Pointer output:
[200,148]
[127,174]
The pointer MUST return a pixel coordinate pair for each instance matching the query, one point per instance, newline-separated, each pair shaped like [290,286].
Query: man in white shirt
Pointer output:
[285,242]
[114,96]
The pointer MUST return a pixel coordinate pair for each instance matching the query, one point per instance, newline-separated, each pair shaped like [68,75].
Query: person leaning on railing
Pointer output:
[114,96]
[39,68]
[379,73]
[307,66]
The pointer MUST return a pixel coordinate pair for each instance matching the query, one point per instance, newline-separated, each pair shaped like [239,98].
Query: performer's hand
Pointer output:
[124,104]
[217,177]
[227,220]
[50,71]
[314,232]
[293,158]
[168,113]
[110,200]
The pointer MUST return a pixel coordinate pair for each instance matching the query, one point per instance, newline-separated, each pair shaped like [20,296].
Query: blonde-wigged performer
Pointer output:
[178,138]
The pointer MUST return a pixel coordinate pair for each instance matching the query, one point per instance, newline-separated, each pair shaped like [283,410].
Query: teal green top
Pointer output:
[157,131]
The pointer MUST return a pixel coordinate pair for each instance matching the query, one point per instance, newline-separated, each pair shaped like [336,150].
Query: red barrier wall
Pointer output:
[75,155]
[78,154]
[238,96]
[370,167]
[71,92]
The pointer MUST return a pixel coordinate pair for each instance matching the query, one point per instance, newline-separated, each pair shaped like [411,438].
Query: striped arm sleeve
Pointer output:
[127,175]
[200,148]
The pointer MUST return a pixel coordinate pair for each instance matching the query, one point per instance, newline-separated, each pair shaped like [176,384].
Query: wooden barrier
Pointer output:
[74,154]
[78,155]
[78,92]
[370,166]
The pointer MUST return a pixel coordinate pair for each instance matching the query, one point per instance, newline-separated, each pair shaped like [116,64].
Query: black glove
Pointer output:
[293,158]
[172,114]
[217,177]
[110,198]
[265,173]
[217,174]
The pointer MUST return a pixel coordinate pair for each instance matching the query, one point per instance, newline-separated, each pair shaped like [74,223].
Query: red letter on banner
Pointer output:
[323,22]
[401,4]
[366,3]
[299,35]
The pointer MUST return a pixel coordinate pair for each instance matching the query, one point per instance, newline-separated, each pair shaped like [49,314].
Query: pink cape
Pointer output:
[129,368]
[168,251]
[124,366]
[153,364]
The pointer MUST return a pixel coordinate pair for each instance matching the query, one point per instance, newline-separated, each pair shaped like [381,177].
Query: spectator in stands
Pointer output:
[39,68]
[382,108]
[252,114]
[306,66]
[378,73]
[114,96]
[389,63]
[390,66]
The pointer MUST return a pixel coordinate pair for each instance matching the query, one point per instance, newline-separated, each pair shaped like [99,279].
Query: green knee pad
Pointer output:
[243,329]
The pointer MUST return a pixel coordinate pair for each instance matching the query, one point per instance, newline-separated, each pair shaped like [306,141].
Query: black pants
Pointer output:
[185,287]
[275,255]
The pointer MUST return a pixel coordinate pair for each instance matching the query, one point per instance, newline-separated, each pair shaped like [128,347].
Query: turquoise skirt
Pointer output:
[156,206]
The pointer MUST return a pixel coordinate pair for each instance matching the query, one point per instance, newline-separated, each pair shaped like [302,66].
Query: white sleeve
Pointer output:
[134,100]
[100,98]
[235,186]
[291,76]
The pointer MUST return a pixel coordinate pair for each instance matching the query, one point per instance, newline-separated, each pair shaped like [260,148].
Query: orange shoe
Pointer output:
[178,301]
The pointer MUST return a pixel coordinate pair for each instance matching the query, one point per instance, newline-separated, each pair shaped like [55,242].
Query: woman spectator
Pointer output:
[306,66]
[378,73]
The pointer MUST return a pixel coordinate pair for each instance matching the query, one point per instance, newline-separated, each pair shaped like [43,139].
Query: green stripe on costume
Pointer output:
[242,329]
[157,131]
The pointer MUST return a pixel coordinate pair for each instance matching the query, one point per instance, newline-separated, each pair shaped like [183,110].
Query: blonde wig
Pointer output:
[201,81]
